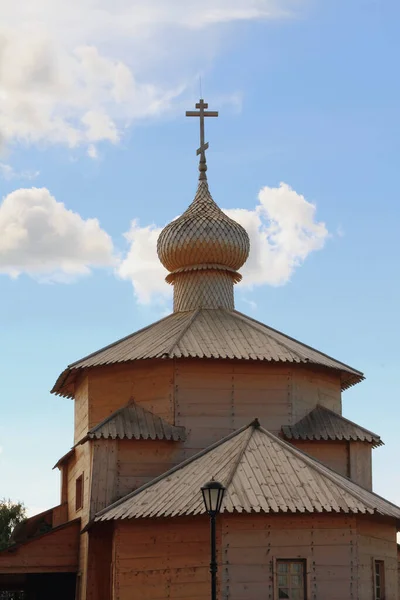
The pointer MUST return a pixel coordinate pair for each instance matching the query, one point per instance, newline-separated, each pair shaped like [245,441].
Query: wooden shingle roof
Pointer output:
[324,424]
[134,422]
[261,473]
[201,333]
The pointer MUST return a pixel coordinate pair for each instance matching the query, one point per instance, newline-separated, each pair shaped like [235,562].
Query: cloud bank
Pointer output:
[41,237]
[79,73]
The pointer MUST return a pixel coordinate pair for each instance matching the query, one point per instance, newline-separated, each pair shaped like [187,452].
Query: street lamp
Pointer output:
[213,494]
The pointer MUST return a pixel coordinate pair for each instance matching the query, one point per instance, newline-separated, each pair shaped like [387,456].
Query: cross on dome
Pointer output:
[201,113]
[203,248]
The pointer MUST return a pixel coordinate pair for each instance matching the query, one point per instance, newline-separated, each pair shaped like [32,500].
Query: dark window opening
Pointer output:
[379,577]
[79,492]
[291,579]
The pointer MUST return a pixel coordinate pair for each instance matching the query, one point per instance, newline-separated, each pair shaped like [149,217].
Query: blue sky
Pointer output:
[308,95]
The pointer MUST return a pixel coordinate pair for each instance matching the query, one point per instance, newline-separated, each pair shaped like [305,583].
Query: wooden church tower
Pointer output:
[208,392]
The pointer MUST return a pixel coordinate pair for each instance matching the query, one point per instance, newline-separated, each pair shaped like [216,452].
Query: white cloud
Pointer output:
[283,231]
[8,172]
[49,95]
[77,73]
[141,265]
[41,237]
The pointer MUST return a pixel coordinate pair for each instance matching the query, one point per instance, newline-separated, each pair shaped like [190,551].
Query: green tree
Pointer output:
[11,513]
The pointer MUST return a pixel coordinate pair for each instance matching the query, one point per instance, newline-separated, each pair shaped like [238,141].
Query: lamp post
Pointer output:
[213,494]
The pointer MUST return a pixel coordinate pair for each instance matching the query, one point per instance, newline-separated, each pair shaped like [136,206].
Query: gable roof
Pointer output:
[261,473]
[324,424]
[132,421]
[202,333]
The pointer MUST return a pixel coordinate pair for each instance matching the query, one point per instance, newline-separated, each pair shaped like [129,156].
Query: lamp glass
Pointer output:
[213,495]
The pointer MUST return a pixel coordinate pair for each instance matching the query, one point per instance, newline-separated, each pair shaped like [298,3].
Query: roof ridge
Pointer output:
[340,416]
[184,330]
[323,469]
[174,469]
[241,452]
[245,317]
[123,339]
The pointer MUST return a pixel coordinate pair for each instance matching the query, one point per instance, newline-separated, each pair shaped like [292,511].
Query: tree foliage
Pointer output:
[11,514]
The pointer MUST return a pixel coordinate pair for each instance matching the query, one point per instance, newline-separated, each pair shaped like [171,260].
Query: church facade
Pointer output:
[209,393]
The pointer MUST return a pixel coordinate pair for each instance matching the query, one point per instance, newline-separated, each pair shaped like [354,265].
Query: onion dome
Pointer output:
[203,237]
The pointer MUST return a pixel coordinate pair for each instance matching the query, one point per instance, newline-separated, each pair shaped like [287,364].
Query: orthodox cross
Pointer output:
[201,112]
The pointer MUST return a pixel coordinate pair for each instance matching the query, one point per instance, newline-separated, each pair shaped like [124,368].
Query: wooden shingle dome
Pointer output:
[203,237]
[203,250]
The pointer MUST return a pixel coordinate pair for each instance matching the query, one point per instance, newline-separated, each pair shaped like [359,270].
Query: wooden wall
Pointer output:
[377,541]
[80,464]
[81,407]
[333,454]
[121,466]
[162,559]
[53,552]
[312,386]
[149,383]
[139,461]
[100,562]
[213,398]
[361,463]
[168,559]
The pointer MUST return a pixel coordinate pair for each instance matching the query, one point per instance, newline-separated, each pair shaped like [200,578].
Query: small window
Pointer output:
[79,492]
[379,578]
[291,579]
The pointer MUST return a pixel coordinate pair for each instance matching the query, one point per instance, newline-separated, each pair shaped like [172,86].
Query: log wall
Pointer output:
[361,463]
[377,541]
[168,559]
[53,552]
[333,454]
[149,383]
[213,398]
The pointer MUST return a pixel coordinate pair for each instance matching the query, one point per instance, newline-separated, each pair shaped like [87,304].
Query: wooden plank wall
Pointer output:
[361,463]
[312,386]
[104,474]
[56,551]
[333,454]
[81,407]
[398,569]
[162,559]
[168,559]
[250,546]
[100,562]
[213,398]
[121,466]
[149,383]
[80,464]
[142,460]
[377,540]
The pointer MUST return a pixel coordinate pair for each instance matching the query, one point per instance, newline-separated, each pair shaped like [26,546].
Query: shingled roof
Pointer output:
[134,422]
[201,333]
[261,473]
[324,424]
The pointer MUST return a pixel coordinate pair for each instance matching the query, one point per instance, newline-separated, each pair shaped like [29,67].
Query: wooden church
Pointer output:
[209,393]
